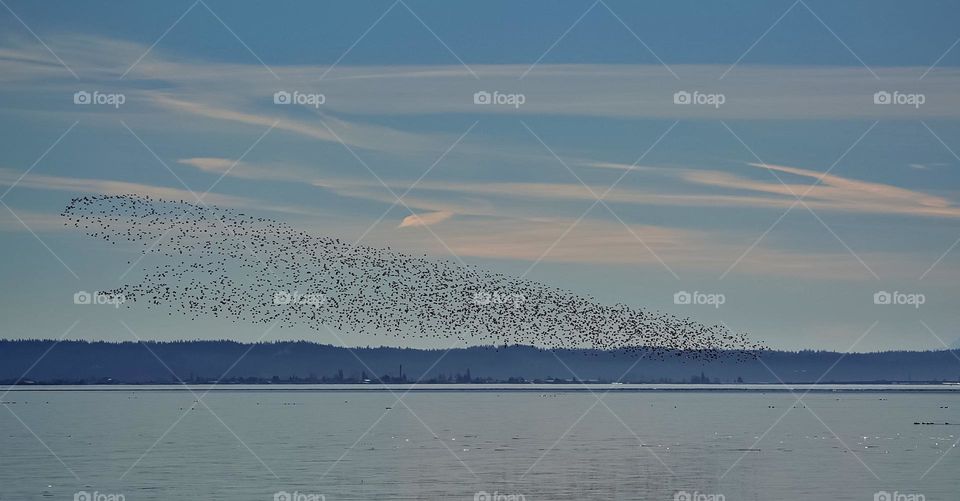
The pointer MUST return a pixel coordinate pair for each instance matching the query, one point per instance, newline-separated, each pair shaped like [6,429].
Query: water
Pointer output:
[545,443]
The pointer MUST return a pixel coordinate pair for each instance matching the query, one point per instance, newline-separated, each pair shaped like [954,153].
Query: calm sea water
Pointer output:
[543,444]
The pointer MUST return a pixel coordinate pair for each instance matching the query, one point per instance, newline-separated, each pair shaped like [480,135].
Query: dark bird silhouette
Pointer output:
[223,263]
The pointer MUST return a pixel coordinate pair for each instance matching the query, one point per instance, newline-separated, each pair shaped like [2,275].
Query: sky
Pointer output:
[795,158]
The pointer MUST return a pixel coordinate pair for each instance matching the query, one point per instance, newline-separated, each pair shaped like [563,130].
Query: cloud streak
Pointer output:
[425,219]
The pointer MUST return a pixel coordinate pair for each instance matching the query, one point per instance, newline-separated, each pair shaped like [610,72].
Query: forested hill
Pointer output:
[202,361]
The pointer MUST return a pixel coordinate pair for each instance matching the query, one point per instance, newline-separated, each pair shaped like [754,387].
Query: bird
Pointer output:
[220,262]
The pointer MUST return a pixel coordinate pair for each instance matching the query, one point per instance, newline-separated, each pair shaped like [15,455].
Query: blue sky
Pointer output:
[704,196]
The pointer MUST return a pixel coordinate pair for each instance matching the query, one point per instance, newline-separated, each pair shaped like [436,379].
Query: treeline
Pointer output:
[82,362]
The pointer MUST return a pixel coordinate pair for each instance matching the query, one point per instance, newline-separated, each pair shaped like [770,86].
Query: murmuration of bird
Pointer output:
[218,262]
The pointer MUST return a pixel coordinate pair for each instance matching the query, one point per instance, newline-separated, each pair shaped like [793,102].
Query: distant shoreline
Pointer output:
[304,364]
[832,387]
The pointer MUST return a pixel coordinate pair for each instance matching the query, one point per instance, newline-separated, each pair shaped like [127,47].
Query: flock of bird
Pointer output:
[222,263]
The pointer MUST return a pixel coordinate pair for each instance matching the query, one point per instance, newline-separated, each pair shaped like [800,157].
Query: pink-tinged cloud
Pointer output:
[608,242]
[8,177]
[425,219]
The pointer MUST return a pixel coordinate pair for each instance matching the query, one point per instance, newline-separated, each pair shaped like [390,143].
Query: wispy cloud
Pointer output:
[599,90]
[111,187]
[8,177]
[831,193]
[354,134]
[606,242]
[425,219]
[245,170]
